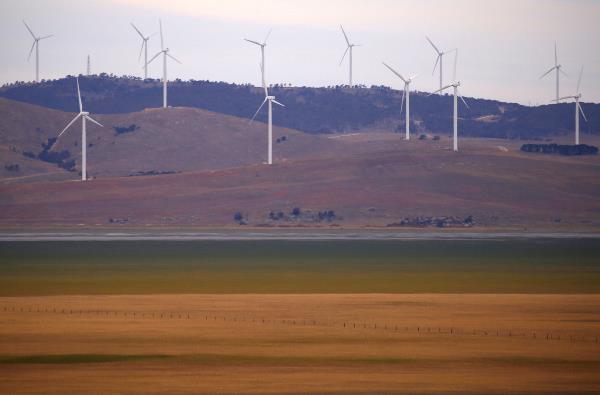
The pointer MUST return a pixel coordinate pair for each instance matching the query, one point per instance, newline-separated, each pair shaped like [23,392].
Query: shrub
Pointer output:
[125,129]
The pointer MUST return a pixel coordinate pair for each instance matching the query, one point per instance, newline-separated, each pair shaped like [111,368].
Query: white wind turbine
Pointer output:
[454,85]
[144,49]
[83,115]
[348,48]
[558,69]
[439,59]
[36,45]
[262,53]
[269,100]
[405,93]
[165,52]
[578,108]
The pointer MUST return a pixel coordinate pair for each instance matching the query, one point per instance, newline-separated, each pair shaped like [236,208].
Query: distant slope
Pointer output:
[380,181]
[171,140]
[313,110]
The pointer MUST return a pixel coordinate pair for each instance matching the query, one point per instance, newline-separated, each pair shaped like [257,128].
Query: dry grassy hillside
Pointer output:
[175,140]
[370,180]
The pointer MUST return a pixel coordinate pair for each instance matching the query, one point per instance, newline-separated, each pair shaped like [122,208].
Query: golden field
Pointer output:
[313,343]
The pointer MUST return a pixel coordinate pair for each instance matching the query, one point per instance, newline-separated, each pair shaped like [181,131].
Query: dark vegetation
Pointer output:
[60,158]
[152,173]
[439,222]
[118,221]
[240,218]
[12,167]
[568,150]
[331,109]
[125,129]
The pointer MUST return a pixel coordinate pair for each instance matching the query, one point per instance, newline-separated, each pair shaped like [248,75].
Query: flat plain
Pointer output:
[436,316]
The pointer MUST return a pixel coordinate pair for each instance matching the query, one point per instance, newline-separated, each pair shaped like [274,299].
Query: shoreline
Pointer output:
[283,235]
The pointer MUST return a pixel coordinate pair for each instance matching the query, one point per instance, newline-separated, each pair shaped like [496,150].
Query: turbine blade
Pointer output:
[79,96]
[344,55]
[455,61]
[253,42]
[394,71]
[162,44]
[461,98]
[94,121]
[45,37]
[69,125]
[402,102]
[141,50]
[138,31]
[439,90]
[31,50]
[267,37]
[412,77]
[433,45]
[345,36]
[155,56]
[172,57]
[563,98]
[555,55]
[582,113]
[28,28]
[257,111]
[276,102]
[579,80]
[436,63]
[547,72]
[564,73]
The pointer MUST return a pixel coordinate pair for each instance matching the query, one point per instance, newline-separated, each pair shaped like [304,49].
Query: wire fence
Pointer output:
[541,335]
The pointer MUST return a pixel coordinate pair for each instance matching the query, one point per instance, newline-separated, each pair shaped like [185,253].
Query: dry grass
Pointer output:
[307,343]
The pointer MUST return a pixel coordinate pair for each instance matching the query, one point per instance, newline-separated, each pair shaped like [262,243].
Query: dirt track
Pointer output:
[300,343]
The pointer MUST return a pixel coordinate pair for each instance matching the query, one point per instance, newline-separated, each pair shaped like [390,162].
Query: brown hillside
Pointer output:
[379,180]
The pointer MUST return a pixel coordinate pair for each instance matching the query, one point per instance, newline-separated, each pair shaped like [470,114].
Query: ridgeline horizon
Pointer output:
[316,110]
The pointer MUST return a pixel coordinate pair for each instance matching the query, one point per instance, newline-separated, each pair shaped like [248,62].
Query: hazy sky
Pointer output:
[505,45]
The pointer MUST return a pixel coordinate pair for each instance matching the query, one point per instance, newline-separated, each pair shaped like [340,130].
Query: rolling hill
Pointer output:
[153,140]
[313,110]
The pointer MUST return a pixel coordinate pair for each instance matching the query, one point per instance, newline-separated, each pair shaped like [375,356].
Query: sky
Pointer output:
[504,45]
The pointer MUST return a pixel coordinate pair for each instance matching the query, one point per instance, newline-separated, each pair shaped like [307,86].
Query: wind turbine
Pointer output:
[454,85]
[348,48]
[558,69]
[405,93]
[262,53]
[36,45]
[439,59]
[269,100]
[144,49]
[89,67]
[165,52]
[83,115]
[578,108]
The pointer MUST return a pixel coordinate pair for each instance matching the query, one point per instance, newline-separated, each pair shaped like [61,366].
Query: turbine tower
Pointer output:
[454,85]
[348,49]
[144,49]
[262,53]
[269,100]
[578,109]
[36,45]
[439,59]
[83,115]
[558,69]
[405,93]
[165,52]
